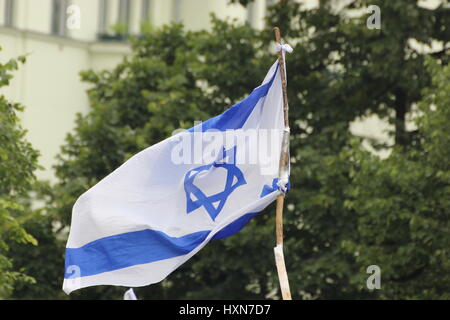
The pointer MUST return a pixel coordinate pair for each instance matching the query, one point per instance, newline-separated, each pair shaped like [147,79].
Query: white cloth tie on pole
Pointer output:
[284,172]
[284,47]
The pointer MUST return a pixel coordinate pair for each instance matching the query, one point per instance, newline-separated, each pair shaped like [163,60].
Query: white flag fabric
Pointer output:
[129,295]
[164,204]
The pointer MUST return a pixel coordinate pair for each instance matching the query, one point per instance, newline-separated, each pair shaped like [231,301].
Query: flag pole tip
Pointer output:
[277,34]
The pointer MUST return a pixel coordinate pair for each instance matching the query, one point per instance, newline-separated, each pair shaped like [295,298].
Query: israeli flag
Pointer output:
[164,204]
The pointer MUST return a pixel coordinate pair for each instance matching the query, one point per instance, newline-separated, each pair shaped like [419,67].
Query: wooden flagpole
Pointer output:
[284,163]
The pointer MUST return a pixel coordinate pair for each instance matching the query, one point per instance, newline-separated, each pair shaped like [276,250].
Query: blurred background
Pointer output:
[85,84]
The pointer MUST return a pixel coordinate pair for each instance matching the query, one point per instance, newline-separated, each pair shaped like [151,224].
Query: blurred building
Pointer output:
[64,37]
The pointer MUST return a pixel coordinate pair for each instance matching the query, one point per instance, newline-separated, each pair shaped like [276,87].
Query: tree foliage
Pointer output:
[18,160]
[402,203]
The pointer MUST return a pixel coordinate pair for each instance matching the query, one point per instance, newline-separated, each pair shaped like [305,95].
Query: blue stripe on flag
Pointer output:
[234,227]
[145,246]
[128,249]
[237,225]
[235,117]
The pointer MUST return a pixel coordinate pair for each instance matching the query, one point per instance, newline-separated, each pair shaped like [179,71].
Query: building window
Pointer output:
[146,6]
[9,13]
[123,21]
[176,11]
[59,17]
[103,17]
[114,20]
[251,14]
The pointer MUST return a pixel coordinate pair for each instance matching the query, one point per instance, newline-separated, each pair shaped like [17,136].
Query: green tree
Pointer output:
[43,262]
[402,203]
[342,70]
[18,160]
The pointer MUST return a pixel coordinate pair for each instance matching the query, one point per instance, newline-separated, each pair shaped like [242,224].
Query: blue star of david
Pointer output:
[193,192]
